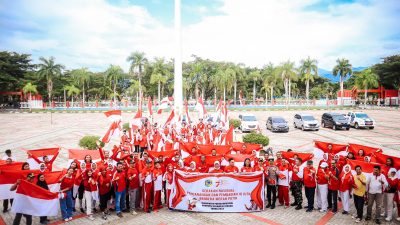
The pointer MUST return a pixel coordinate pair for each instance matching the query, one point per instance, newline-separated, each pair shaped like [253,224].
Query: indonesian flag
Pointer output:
[250,147]
[79,154]
[10,177]
[33,200]
[368,151]
[150,107]
[200,108]
[158,143]
[228,138]
[39,153]
[113,115]
[381,158]
[164,104]
[289,156]
[136,122]
[170,118]
[11,166]
[113,131]
[207,149]
[239,159]
[165,154]
[322,147]
[187,146]
[366,167]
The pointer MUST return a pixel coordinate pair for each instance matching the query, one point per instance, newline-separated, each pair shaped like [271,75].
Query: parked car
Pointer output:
[277,123]
[360,120]
[248,123]
[305,122]
[335,120]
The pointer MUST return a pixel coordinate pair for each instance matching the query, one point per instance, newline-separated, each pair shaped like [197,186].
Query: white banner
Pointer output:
[223,192]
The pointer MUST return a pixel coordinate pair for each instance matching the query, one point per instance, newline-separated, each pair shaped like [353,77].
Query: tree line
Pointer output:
[201,78]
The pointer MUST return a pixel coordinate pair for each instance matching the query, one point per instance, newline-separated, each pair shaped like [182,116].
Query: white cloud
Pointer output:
[95,33]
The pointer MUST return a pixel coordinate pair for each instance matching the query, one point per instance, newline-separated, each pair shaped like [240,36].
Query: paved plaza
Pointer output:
[19,131]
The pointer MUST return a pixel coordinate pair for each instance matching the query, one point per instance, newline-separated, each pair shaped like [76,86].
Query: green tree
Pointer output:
[81,77]
[196,75]
[342,69]
[238,76]
[159,75]
[138,60]
[13,69]
[30,88]
[308,70]
[254,75]
[389,72]
[366,79]
[288,74]
[72,92]
[49,70]
[114,74]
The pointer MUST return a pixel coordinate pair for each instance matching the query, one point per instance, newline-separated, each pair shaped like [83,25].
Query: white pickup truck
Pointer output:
[360,120]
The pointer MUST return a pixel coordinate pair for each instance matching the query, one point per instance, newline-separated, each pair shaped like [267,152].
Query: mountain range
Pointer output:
[328,73]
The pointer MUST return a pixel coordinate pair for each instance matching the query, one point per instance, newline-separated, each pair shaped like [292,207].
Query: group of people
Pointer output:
[128,177]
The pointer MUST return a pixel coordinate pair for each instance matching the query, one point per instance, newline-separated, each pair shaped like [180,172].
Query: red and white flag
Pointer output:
[170,118]
[33,200]
[136,122]
[39,153]
[321,148]
[164,104]
[366,167]
[79,154]
[200,108]
[228,138]
[113,131]
[113,115]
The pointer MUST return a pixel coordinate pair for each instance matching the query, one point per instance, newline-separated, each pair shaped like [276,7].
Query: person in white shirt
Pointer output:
[9,155]
[375,186]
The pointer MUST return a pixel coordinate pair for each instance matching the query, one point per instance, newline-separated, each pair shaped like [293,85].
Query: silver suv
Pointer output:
[305,122]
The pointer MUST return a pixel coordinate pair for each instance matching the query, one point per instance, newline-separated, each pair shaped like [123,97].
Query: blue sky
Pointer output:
[97,33]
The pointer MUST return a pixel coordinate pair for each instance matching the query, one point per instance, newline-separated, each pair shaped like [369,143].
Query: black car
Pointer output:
[335,120]
[277,123]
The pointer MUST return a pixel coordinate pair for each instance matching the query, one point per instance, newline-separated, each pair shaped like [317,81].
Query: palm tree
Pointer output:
[366,79]
[81,77]
[342,68]
[159,75]
[307,68]
[269,80]
[287,71]
[196,76]
[239,74]
[71,92]
[30,88]
[113,74]
[254,75]
[224,80]
[138,60]
[49,69]
[133,90]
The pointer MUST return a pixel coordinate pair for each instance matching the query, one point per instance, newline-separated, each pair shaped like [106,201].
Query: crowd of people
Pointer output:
[128,177]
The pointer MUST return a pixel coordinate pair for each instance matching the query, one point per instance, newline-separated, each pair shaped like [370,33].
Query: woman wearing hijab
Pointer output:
[346,184]
[390,194]
[41,182]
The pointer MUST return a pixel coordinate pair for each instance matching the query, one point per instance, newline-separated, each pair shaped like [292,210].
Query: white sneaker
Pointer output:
[322,210]
[398,218]
[66,220]
[91,217]
[358,220]
[70,218]
[388,219]
[382,214]
[134,212]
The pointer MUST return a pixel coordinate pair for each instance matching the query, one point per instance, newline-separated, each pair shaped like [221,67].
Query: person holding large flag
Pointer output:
[18,215]
[309,184]
[66,185]
[297,183]
[333,186]
[41,182]
[119,179]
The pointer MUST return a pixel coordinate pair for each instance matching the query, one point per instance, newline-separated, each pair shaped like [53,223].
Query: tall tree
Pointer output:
[72,92]
[269,80]
[30,88]
[196,76]
[138,60]
[389,72]
[254,75]
[308,69]
[114,74]
[81,77]
[239,75]
[13,68]
[159,75]
[49,70]
[342,69]
[366,79]
[287,71]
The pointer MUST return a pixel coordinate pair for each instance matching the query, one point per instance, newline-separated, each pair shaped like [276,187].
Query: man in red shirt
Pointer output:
[231,168]
[309,185]
[297,184]
[133,179]
[333,186]
[119,179]
[104,191]
[147,178]
[202,166]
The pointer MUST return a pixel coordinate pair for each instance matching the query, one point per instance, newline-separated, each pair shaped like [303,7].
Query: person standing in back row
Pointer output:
[271,176]
[359,193]
[309,184]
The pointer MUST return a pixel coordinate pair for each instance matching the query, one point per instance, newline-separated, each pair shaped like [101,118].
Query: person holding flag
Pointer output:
[322,183]
[119,180]
[333,186]
[168,178]
[297,183]
[375,186]
[66,185]
[309,184]
[18,216]
[346,184]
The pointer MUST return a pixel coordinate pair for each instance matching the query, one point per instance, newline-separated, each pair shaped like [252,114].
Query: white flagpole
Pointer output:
[178,98]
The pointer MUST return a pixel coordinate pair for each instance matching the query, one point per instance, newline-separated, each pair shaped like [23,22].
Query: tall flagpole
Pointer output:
[178,98]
